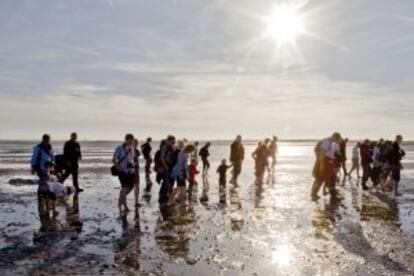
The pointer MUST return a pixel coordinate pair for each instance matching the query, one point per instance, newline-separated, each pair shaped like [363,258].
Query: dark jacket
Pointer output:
[236,152]
[204,153]
[72,152]
[396,155]
[146,150]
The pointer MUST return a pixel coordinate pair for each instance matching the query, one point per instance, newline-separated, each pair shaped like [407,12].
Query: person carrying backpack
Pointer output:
[166,163]
[42,155]
[125,168]
[204,154]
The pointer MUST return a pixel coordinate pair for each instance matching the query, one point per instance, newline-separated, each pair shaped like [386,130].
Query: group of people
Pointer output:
[265,157]
[175,166]
[52,171]
[380,162]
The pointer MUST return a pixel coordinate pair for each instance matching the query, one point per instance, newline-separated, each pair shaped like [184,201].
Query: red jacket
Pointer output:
[192,171]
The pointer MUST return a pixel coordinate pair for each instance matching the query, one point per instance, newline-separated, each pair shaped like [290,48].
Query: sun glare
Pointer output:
[282,255]
[285,24]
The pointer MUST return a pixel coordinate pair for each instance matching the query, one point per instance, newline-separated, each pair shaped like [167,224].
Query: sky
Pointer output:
[204,69]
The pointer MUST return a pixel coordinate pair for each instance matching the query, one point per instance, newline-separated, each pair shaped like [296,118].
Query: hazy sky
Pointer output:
[200,68]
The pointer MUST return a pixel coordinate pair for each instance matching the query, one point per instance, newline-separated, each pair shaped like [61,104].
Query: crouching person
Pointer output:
[57,191]
[51,191]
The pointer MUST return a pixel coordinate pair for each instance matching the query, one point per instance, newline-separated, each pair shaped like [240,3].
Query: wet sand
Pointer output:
[273,230]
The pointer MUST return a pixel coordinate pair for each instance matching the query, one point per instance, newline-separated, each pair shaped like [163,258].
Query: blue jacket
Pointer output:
[41,156]
[181,168]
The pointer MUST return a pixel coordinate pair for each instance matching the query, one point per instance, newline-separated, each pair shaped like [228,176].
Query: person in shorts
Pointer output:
[124,160]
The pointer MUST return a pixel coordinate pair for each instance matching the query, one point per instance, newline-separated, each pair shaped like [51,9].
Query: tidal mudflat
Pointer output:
[270,230]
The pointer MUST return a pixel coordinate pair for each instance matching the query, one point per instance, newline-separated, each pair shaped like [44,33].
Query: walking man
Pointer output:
[395,161]
[146,150]
[72,155]
[236,158]
[204,154]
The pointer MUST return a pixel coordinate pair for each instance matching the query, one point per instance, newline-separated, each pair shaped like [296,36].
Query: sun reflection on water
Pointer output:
[282,255]
[291,150]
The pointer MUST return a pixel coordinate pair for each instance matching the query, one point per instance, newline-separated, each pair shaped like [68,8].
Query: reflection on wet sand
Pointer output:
[129,251]
[268,229]
[324,219]
[206,187]
[73,214]
[236,212]
[174,230]
[51,226]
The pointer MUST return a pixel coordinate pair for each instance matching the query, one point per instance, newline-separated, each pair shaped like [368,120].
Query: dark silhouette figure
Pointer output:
[72,155]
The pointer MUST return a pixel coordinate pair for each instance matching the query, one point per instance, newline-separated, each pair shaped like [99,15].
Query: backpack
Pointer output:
[157,161]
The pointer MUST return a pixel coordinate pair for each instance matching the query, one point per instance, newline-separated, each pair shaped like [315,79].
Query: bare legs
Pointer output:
[355,166]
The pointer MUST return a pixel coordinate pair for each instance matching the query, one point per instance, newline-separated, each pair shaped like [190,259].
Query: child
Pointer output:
[192,172]
[57,191]
[222,171]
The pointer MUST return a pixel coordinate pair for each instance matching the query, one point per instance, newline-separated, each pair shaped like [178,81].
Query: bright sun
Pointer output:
[284,24]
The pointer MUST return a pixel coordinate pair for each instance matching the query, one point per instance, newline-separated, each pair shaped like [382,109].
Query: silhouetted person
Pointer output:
[365,151]
[194,154]
[273,152]
[355,159]
[236,158]
[222,171]
[342,155]
[72,154]
[146,150]
[204,154]
[167,162]
[137,154]
[325,171]
[394,159]
[260,156]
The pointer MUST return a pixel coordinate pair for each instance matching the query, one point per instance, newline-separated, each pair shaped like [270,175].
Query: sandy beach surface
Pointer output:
[275,230]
